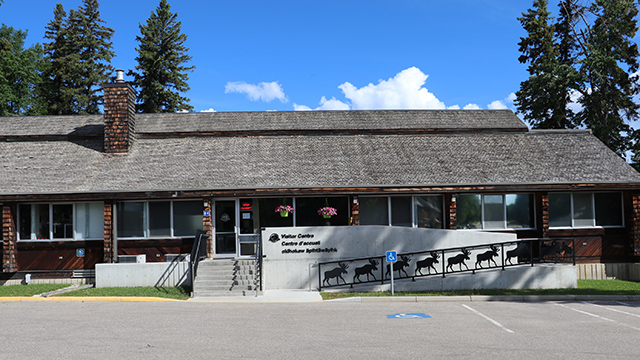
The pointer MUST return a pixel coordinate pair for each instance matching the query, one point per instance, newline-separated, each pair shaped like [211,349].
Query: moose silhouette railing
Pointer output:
[412,265]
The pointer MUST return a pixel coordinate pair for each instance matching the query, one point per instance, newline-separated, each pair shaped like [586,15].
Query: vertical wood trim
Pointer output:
[108,233]
[635,225]
[207,226]
[545,215]
[9,263]
[355,211]
[453,218]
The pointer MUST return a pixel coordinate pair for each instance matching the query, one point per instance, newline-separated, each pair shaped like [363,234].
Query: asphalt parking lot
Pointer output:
[320,330]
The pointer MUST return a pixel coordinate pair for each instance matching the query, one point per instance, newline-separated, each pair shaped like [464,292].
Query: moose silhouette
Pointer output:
[552,250]
[399,266]
[458,259]
[487,256]
[336,273]
[366,269]
[427,263]
[520,250]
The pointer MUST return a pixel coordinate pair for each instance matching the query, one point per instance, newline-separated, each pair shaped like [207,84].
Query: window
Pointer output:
[586,209]
[77,221]
[307,211]
[142,219]
[374,210]
[495,211]
[428,211]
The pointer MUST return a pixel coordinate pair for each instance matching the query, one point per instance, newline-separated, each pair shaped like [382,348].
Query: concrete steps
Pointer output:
[226,277]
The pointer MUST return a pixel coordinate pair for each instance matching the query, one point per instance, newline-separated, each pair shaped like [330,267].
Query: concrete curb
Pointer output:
[485,298]
[85,298]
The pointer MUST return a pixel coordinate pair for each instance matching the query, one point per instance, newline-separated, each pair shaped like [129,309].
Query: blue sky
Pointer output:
[293,55]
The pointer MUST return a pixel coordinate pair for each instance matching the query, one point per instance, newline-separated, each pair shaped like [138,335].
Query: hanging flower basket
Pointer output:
[284,210]
[327,212]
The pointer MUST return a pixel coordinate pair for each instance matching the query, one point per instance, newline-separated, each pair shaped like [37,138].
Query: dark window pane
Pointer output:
[401,211]
[42,221]
[519,211]
[469,212]
[559,210]
[268,217]
[307,211]
[374,211]
[187,217]
[159,218]
[131,219]
[428,211]
[608,209]
[26,231]
[225,216]
[63,221]
[225,243]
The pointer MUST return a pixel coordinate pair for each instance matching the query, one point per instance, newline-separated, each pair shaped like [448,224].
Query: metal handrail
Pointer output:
[257,281]
[197,252]
[526,251]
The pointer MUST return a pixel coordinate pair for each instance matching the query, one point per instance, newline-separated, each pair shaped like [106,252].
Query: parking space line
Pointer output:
[611,309]
[489,319]
[598,316]
[627,304]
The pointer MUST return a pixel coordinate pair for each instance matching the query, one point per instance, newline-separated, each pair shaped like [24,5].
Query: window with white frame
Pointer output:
[586,209]
[73,221]
[495,211]
[145,219]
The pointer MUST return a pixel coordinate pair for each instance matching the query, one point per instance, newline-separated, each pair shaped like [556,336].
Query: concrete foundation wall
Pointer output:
[145,274]
[291,252]
[619,271]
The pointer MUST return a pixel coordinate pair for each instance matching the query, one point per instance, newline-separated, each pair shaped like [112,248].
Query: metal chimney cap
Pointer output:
[119,76]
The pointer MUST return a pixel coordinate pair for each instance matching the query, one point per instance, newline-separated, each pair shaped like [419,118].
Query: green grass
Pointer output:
[585,287]
[179,293]
[29,290]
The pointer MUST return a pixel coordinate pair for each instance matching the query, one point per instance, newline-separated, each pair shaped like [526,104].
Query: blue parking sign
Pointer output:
[392,256]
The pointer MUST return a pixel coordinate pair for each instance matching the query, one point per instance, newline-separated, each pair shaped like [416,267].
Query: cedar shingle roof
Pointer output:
[248,162]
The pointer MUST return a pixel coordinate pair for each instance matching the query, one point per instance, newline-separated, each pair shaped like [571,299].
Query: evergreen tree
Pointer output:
[543,98]
[608,65]
[54,87]
[19,73]
[591,56]
[80,54]
[162,74]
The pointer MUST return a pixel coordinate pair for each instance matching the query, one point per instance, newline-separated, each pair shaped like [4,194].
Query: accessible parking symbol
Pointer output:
[408,316]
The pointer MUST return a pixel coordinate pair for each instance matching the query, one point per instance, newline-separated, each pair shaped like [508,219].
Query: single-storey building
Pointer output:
[76,191]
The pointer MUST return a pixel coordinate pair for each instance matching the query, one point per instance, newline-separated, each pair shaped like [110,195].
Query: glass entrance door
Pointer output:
[226,237]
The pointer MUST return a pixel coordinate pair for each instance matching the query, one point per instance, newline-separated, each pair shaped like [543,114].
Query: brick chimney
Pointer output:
[119,116]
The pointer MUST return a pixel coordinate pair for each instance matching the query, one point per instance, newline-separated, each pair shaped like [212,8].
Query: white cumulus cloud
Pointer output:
[208,110]
[331,104]
[403,91]
[265,91]
[471,107]
[497,105]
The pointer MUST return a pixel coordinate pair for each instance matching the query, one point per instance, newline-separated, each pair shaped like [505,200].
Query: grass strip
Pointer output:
[179,292]
[29,290]
[585,287]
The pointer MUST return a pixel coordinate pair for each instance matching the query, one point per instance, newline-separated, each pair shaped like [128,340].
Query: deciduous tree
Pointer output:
[19,73]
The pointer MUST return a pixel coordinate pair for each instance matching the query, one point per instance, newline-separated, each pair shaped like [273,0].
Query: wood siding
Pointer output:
[155,249]
[58,255]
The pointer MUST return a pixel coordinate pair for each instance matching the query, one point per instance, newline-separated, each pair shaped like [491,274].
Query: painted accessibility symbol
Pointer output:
[409,316]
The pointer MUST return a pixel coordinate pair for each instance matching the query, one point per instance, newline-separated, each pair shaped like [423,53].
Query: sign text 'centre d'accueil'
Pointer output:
[300,243]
